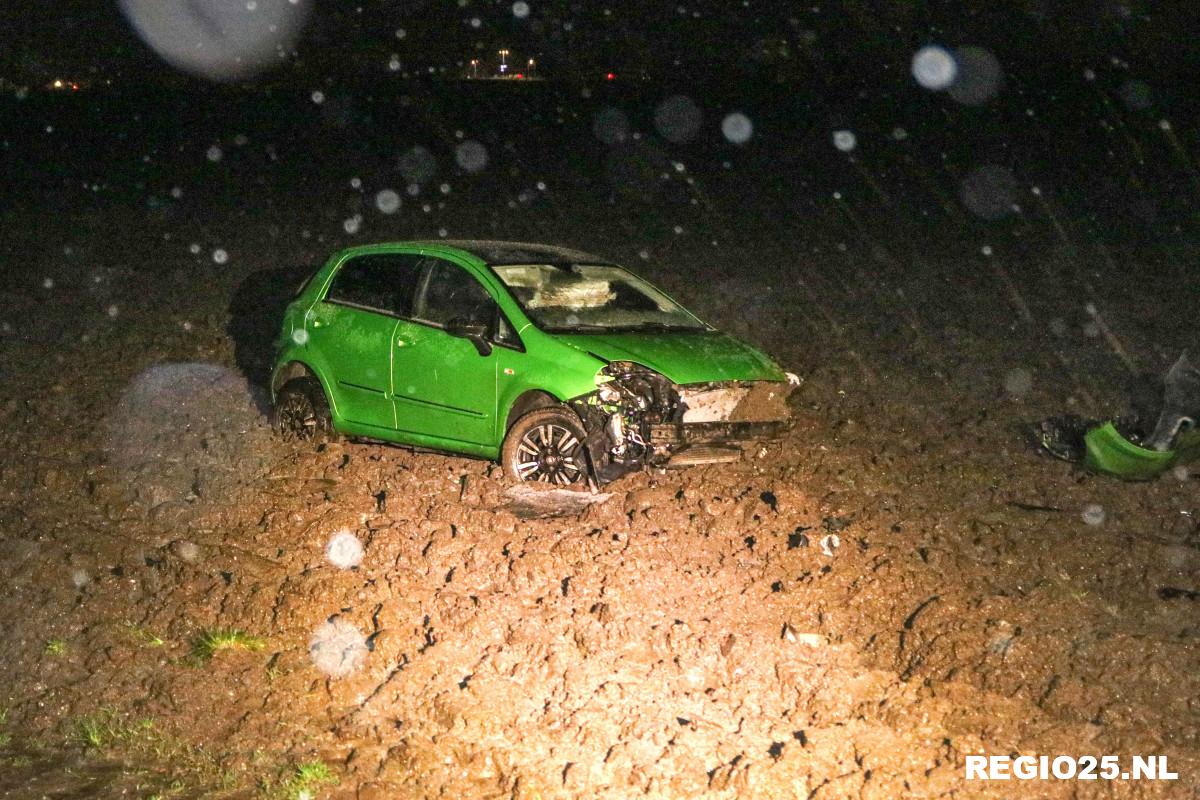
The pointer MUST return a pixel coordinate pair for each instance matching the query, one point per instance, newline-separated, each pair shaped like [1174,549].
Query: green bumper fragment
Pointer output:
[1112,454]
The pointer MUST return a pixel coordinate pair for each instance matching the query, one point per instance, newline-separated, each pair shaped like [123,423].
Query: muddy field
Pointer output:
[899,583]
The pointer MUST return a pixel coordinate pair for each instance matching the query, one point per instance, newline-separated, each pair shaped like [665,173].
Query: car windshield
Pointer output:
[583,298]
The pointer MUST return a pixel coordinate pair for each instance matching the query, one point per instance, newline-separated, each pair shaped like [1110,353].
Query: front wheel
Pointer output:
[546,446]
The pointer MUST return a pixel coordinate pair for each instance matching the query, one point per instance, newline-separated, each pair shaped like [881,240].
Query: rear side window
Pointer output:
[383,282]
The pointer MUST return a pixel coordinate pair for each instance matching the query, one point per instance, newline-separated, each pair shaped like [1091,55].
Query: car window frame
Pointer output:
[350,259]
[423,284]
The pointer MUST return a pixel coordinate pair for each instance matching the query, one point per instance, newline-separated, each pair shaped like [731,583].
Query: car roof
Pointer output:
[500,252]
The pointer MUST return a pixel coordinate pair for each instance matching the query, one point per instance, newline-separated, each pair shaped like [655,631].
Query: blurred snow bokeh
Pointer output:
[979,77]
[934,68]
[737,128]
[610,125]
[344,550]
[337,648]
[1093,514]
[418,166]
[181,428]
[845,140]
[677,119]
[990,191]
[220,40]
[1018,382]
[471,155]
[387,201]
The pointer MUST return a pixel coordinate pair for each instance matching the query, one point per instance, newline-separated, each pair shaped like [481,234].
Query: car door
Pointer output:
[444,387]
[352,329]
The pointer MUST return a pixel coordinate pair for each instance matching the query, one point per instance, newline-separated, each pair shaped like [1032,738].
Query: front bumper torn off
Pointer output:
[645,420]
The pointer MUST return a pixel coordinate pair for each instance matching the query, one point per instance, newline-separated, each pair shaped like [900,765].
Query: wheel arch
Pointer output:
[296,369]
[529,400]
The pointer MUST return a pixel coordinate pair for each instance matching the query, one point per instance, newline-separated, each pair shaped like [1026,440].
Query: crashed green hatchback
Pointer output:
[562,365]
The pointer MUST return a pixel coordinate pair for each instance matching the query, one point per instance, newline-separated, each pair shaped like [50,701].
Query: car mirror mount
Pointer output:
[474,332]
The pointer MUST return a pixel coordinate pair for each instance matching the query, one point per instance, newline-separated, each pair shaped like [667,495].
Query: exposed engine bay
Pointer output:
[639,418]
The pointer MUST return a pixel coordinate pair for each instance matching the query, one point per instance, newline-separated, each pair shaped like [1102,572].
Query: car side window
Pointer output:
[383,282]
[453,293]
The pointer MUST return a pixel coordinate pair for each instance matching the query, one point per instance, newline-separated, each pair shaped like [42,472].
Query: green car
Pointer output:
[562,365]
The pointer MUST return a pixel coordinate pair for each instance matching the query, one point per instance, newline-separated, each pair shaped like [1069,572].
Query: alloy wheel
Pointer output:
[550,453]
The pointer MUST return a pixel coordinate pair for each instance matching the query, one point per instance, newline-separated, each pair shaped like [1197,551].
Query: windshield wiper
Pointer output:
[662,326]
[582,326]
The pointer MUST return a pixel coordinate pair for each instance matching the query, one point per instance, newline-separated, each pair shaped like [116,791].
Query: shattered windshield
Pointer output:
[578,298]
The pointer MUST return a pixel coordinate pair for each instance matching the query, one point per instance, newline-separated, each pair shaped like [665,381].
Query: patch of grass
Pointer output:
[98,730]
[171,764]
[143,636]
[212,641]
[301,784]
[56,647]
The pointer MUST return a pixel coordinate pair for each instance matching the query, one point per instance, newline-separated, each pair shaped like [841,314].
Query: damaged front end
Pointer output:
[639,418]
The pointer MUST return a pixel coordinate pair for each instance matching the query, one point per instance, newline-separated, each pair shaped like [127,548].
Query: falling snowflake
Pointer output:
[387,201]
[737,128]
[934,68]
[337,648]
[471,155]
[845,140]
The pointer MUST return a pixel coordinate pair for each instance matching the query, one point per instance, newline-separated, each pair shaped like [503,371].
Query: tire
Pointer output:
[301,412]
[546,446]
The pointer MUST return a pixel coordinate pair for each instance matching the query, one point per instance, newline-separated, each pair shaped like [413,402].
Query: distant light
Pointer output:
[58,84]
[519,75]
[610,76]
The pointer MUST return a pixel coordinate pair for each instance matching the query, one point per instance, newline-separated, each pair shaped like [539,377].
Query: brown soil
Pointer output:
[688,637]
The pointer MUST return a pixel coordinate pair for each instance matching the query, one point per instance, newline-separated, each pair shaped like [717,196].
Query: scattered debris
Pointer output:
[797,538]
[829,543]
[1121,446]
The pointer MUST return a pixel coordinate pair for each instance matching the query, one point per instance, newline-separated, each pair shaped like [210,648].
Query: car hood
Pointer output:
[682,357]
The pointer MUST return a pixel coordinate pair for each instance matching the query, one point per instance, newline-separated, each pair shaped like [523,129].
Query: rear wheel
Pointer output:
[546,446]
[302,412]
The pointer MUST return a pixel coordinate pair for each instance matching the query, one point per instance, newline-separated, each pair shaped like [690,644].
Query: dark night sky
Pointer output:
[839,43]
